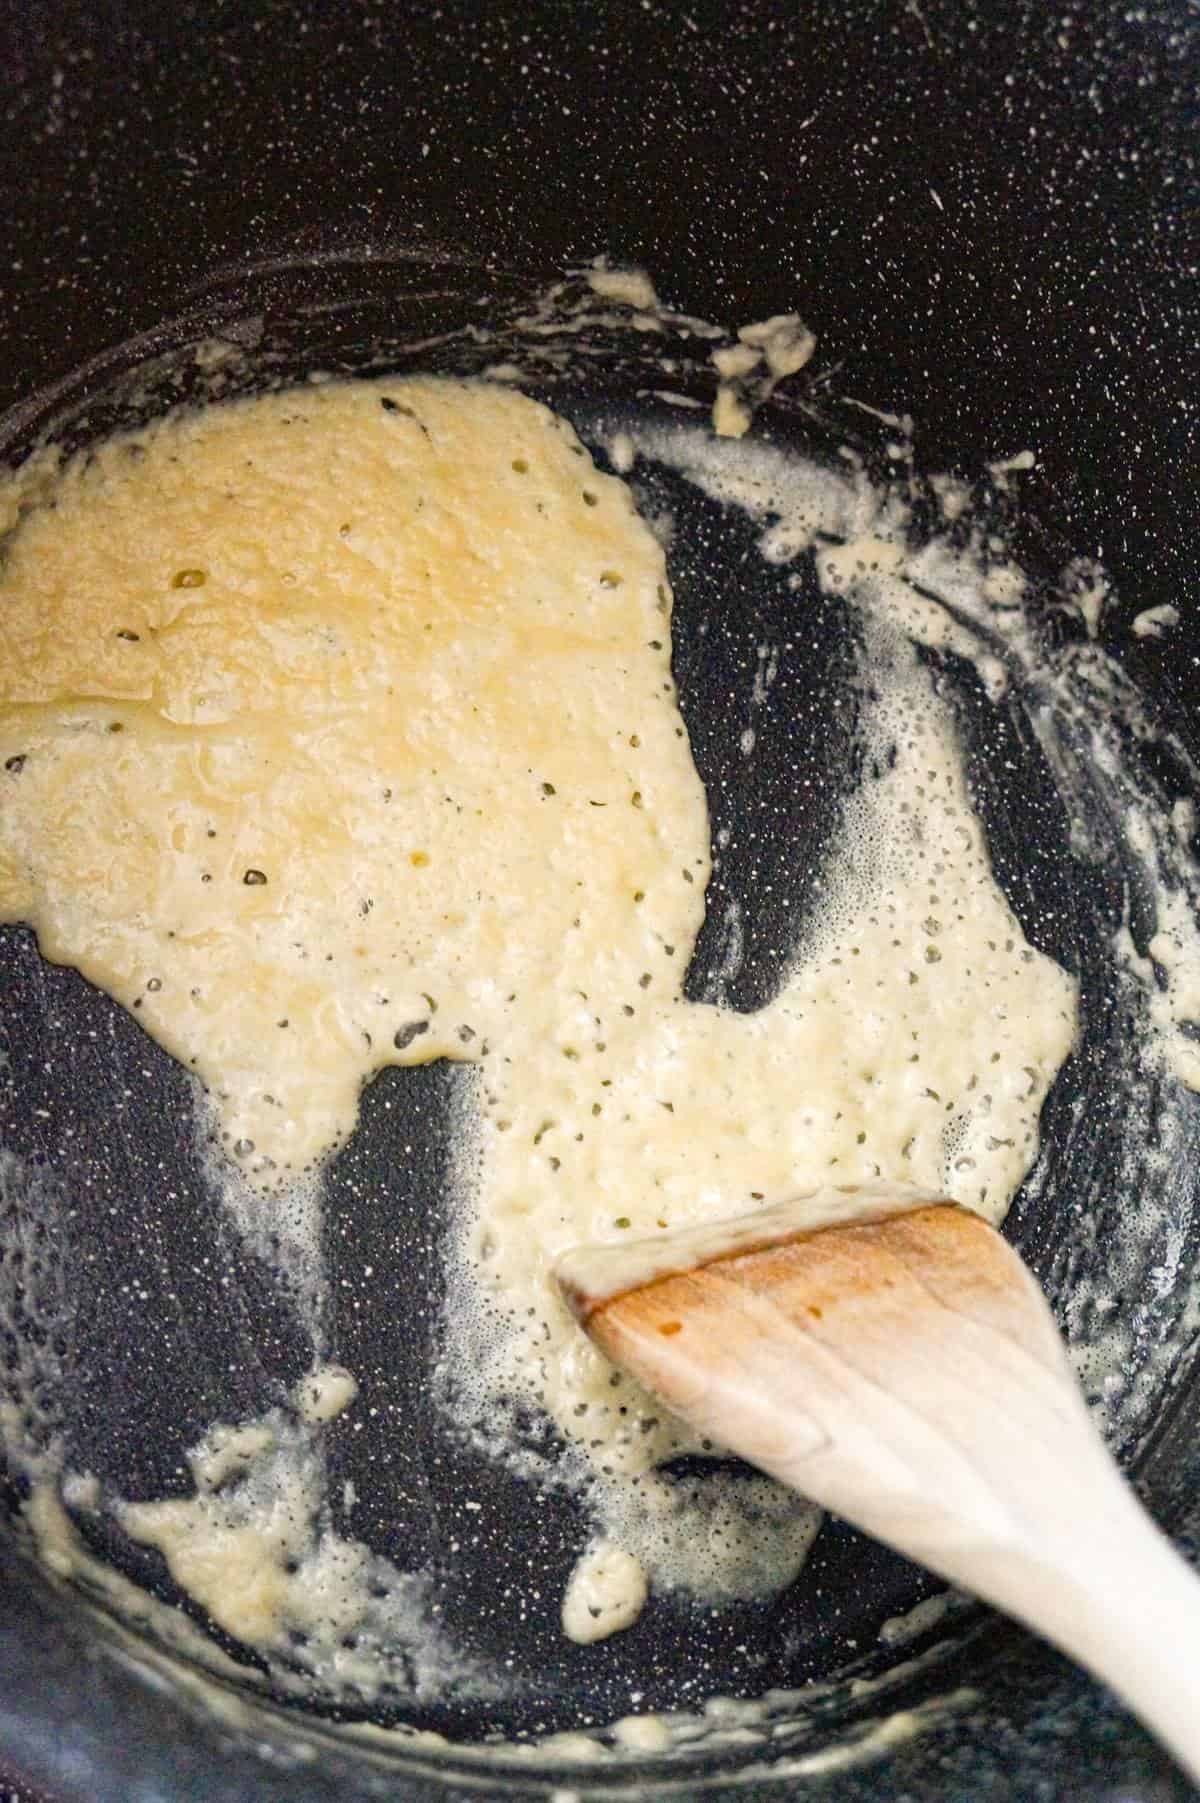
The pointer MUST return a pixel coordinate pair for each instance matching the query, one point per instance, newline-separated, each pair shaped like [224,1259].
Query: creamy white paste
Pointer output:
[770,350]
[338,728]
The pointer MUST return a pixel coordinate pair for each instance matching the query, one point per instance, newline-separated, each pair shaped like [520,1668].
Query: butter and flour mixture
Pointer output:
[338,729]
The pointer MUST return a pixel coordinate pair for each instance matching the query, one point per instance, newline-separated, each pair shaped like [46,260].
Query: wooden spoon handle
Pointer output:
[927,1398]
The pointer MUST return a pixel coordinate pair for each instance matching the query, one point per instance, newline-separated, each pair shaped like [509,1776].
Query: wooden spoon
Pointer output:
[888,1354]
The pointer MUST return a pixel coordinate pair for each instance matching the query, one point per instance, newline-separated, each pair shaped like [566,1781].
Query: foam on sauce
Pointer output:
[257,1548]
[337,728]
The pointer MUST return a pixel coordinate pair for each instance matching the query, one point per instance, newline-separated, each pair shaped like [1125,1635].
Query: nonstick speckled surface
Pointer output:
[984,213]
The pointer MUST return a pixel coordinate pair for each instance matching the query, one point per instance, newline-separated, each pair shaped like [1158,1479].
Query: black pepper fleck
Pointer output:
[404,1036]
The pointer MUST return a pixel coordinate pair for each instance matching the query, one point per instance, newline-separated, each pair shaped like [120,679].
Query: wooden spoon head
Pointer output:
[782,1339]
[903,1369]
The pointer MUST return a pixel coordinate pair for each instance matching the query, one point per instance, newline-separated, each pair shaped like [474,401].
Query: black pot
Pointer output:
[986,214]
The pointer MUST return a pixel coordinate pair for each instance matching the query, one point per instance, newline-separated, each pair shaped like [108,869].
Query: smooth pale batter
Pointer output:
[337,728]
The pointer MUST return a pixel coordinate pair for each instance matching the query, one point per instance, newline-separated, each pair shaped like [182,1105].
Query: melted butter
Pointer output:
[338,729]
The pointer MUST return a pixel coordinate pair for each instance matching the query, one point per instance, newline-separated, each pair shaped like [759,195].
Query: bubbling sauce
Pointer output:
[338,729]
